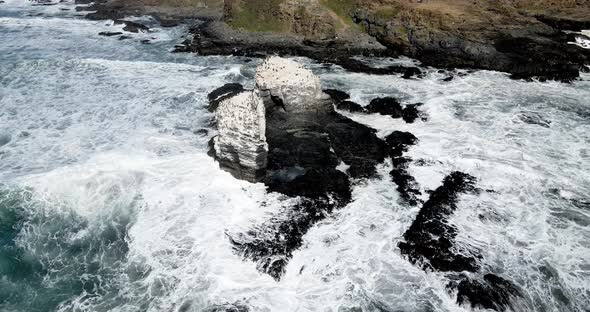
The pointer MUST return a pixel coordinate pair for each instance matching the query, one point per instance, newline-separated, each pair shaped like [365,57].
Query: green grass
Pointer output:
[387,12]
[258,16]
[342,8]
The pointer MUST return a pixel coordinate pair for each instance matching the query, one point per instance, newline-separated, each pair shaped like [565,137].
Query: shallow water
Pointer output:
[108,201]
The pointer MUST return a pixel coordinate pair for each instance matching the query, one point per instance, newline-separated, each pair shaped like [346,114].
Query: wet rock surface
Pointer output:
[408,188]
[430,240]
[385,106]
[490,292]
[430,244]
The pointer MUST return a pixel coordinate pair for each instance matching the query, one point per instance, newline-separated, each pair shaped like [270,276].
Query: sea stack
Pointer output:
[241,147]
[286,134]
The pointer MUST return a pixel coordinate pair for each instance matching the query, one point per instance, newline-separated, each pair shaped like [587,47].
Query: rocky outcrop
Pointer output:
[384,106]
[430,239]
[219,38]
[430,243]
[407,186]
[241,147]
[307,141]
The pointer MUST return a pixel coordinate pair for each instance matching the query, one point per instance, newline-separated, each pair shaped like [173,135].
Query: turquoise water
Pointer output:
[108,201]
[48,258]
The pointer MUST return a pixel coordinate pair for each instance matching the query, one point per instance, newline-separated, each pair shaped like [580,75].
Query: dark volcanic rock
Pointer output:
[218,38]
[492,292]
[168,22]
[385,106]
[105,14]
[133,26]
[358,66]
[271,244]
[357,145]
[430,240]
[351,107]
[315,183]
[564,23]
[226,91]
[109,33]
[337,95]
[306,140]
[410,113]
[399,141]
[223,308]
[410,72]
[305,147]
[407,186]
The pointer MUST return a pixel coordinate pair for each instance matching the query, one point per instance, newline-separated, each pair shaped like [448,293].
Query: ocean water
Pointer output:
[108,201]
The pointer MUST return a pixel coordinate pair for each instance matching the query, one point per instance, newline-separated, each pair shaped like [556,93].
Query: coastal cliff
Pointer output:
[525,38]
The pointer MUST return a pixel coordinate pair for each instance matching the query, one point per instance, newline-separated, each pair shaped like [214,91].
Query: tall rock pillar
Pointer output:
[241,147]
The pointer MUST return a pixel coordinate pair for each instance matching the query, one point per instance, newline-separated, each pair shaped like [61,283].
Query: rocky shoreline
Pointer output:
[525,40]
[286,134]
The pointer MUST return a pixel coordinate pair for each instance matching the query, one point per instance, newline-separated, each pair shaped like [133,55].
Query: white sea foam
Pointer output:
[97,123]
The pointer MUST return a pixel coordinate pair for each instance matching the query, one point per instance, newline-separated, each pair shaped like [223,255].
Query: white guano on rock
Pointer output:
[298,88]
[241,147]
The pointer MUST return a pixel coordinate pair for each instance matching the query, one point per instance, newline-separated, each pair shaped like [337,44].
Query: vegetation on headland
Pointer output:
[342,8]
[258,16]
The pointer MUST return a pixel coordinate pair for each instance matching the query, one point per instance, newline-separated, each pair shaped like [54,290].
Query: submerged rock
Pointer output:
[5,139]
[240,147]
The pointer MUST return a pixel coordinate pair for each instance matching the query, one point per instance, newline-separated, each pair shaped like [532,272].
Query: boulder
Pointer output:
[337,95]
[241,147]
[385,106]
